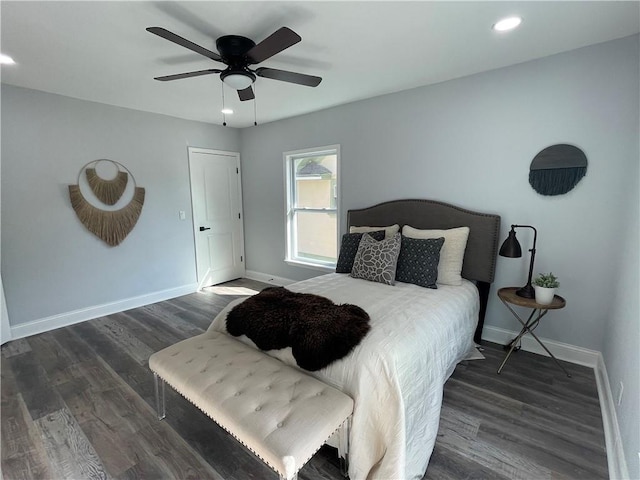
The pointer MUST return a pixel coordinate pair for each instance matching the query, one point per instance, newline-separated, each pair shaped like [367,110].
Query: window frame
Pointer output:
[290,209]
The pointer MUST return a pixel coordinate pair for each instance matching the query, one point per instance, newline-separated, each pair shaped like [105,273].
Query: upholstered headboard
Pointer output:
[482,247]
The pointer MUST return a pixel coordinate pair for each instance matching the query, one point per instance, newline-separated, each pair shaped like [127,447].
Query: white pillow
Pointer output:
[389,231]
[452,253]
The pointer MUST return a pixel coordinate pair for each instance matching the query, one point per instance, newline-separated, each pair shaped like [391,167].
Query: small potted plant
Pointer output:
[545,286]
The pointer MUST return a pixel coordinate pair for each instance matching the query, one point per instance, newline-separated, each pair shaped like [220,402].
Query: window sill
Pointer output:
[312,266]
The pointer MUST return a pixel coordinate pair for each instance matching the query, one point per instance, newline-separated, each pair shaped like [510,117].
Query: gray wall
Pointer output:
[622,328]
[469,142]
[50,263]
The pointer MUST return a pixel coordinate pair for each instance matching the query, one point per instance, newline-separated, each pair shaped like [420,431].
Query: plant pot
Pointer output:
[544,296]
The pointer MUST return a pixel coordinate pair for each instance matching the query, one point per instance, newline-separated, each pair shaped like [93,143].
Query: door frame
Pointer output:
[210,151]
[5,325]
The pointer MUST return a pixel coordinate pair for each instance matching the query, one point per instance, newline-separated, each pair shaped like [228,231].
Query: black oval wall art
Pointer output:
[557,169]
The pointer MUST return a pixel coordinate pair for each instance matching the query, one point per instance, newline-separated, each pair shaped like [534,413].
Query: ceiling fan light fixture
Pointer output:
[507,23]
[238,80]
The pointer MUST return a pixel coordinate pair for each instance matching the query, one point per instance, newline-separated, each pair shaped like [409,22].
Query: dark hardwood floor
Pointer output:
[77,403]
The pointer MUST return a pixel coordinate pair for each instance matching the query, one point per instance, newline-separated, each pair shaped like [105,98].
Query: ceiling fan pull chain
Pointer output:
[224,115]
[255,115]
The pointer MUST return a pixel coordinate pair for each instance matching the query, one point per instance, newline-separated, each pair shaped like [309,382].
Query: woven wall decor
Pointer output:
[557,169]
[112,226]
[107,191]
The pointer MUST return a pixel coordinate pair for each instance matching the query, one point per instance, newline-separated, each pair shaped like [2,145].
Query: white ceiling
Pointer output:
[100,51]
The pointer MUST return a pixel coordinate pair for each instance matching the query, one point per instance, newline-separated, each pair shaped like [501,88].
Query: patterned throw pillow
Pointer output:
[418,261]
[376,261]
[452,253]
[349,248]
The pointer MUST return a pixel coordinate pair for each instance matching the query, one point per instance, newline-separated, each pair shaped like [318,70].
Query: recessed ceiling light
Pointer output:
[6,59]
[508,23]
[227,111]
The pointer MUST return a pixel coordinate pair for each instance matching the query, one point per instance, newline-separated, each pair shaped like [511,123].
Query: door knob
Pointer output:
[202,229]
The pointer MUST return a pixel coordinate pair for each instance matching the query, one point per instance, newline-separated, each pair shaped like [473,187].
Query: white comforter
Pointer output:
[396,374]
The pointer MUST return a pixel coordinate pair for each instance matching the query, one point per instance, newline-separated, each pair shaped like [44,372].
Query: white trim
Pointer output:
[312,266]
[266,278]
[76,316]
[613,441]
[5,325]
[289,211]
[563,351]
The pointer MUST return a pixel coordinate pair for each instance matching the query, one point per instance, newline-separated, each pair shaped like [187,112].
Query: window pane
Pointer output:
[315,181]
[317,233]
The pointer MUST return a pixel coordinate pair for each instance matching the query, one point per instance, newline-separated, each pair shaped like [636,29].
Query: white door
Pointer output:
[217,215]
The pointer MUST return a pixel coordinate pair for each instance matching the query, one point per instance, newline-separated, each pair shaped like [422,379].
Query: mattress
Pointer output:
[397,373]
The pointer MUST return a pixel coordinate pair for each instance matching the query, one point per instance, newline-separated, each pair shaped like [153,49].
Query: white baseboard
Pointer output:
[70,318]
[562,351]
[266,278]
[617,463]
[589,358]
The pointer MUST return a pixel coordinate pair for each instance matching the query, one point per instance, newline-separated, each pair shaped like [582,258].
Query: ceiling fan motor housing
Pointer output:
[233,49]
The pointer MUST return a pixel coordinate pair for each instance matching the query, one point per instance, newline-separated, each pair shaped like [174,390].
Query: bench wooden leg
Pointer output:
[160,405]
[343,447]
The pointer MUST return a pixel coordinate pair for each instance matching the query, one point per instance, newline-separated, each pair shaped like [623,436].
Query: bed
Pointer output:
[418,335]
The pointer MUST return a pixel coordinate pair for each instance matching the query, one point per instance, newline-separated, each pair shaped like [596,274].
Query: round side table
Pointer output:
[508,297]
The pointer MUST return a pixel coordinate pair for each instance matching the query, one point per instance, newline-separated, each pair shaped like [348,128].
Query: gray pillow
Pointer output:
[418,261]
[376,261]
[349,248]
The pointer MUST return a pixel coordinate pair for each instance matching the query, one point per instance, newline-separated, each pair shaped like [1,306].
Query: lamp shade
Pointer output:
[511,246]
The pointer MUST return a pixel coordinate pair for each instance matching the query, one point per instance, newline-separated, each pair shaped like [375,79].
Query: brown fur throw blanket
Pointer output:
[317,330]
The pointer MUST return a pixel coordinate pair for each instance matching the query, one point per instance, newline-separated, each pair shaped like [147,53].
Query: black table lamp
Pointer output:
[511,248]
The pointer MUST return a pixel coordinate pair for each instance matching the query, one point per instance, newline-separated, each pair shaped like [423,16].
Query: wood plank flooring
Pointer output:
[77,403]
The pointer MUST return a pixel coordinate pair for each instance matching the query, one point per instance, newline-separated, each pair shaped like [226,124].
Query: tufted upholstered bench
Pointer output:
[278,412]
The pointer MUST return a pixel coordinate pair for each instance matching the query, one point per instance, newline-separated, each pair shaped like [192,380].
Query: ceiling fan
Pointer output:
[238,53]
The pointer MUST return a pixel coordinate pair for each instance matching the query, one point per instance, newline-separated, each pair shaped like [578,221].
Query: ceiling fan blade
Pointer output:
[178,76]
[183,42]
[291,77]
[246,94]
[275,43]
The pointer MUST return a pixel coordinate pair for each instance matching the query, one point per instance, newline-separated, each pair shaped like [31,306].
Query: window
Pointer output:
[312,206]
